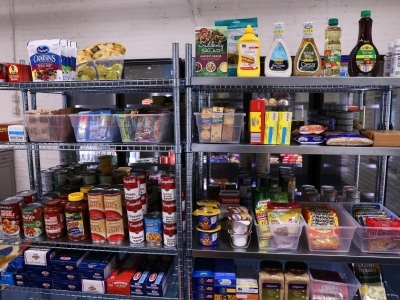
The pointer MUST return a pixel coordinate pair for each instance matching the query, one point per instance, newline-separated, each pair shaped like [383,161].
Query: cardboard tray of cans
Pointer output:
[330,238]
[375,239]
[97,128]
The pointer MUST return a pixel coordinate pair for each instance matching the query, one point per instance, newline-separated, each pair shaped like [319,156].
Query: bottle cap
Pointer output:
[365,13]
[333,22]
[249,29]
[75,196]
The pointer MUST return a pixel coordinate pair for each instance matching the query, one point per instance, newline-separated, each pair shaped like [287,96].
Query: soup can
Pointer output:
[60,178]
[105,179]
[10,212]
[98,230]
[32,219]
[29,196]
[115,231]
[131,187]
[169,212]
[170,234]
[134,210]
[168,188]
[136,232]
[153,228]
[46,177]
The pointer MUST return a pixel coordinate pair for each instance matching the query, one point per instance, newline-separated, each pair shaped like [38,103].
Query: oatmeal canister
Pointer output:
[153,228]
[136,232]
[29,196]
[32,218]
[10,212]
[54,219]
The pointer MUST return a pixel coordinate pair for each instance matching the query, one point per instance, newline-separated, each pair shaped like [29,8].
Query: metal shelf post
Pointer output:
[36,153]
[358,157]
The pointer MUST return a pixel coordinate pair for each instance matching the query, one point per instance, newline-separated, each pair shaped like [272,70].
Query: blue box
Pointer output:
[97,265]
[20,276]
[138,292]
[225,290]
[156,293]
[149,265]
[65,276]
[201,288]
[7,276]
[203,296]
[17,264]
[68,285]
[67,260]
[40,283]
[138,279]
[157,280]
[203,277]
[39,272]
[225,279]
[19,282]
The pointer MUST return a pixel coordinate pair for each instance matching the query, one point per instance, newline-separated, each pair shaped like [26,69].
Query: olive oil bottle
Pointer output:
[307,61]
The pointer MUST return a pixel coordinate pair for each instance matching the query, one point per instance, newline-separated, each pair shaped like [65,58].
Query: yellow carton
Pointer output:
[271,127]
[284,127]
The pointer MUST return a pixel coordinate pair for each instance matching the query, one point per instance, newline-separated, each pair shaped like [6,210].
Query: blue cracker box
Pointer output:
[203,296]
[157,280]
[39,256]
[7,276]
[224,279]
[203,277]
[65,276]
[138,291]
[156,293]
[20,276]
[67,260]
[40,283]
[225,290]
[38,272]
[150,264]
[97,265]
[200,288]
[68,285]
[20,282]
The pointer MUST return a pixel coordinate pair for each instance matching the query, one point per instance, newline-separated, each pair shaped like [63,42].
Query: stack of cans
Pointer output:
[134,208]
[168,197]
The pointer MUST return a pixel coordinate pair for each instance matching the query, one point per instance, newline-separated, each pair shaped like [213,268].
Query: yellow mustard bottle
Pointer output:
[249,48]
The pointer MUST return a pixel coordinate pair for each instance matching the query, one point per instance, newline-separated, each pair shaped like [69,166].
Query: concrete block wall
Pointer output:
[148,28]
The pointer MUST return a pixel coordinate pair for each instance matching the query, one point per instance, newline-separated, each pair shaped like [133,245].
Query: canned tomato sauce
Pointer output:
[153,228]
[136,232]
[32,218]
[96,203]
[134,210]
[169,212]
[98,230]
[29,196]
[113,204]
[10,212]
[115,231]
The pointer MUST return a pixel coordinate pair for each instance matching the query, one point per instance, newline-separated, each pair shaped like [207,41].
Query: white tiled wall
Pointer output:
[148,27]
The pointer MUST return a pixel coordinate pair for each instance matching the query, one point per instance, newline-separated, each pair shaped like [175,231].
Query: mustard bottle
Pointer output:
[249,47]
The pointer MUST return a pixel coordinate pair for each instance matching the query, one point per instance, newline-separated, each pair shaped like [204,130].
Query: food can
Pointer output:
[136,232]
[262,163]
[352,195]
[289,186]
[70,171]
[96,203]
[244,179]
[323,188]
[29,196]
[313,196]
[10,212]
[169,235]
[132,187]
[104,186]
[46,177]
[105,179]
[89,177]
[142,188]
[168,189]
[60,178]
[330,195]
[32,219]
[230,186]
[112,204]
[52,195]
[83,166]
[115,231]
[77,169]
[164,160]
[134,210]
[98,230]
[304,192]
[169,212]
[153,228]
[143,200]
[75,181]
[42,201]
[263,180]
[345,188]
[171,157]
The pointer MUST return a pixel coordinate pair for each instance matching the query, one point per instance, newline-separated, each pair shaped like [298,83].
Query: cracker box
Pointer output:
[203,296]
[94,286]
[216,124]
[67,260]
[271,127]
[65,276]
[119,280]
[225,279]
[203,277]
[39,272]
[257,121]
[67,285]
[247,296]
[205,127]
[39,256]
[284,127]
[40,283]
[97,266]
[17,133]
[4,130]
[246,285]
[228,124]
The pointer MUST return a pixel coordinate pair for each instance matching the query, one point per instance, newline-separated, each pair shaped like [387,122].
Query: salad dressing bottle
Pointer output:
[307,61]
[278,62]
[249,47]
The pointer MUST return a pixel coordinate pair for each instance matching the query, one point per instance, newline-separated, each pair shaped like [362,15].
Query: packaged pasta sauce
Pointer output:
[370,277]
[77,217]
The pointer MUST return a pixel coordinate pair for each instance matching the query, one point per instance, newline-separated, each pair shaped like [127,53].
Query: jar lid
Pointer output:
[365,13]
[271,266]
[333,21]
[75,196]
[53,202]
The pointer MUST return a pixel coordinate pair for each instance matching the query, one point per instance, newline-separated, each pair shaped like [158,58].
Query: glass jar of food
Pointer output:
[77,217]
[54,219]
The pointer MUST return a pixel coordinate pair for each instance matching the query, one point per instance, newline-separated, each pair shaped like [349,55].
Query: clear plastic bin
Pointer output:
[228,129]
[336,290]
[331,238]
[145,128]
[49,128]
[283,236]
[95,128]
[376,239]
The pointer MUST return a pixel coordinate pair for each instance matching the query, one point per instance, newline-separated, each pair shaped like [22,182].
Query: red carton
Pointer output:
[119,280]
[257,121]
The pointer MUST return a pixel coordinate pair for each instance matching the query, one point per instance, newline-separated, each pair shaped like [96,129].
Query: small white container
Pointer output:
[240,240]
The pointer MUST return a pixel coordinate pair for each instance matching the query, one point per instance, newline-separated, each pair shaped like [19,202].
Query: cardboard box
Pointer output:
[228,123]
[158,279]
[39,272]
[203,296]
[67,285]
[246,285]
[40,283]
[65,276]
[4,130]
[39,256]
[271,128]
[216,124]
[225,279]
[67,260]
[205,127]
[247,296]
[284,127]
[203,277]
[97,266]
[257,121]
[225,296]
[383,138]
[17,134]
[94,286]
[148,265]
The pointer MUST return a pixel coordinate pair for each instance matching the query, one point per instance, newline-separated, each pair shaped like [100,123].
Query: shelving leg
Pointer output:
[358,157]
[29,157]
[36,153]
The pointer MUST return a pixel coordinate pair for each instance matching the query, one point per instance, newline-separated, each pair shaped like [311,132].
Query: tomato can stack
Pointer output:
[134,208]
[168,197]
[114,216]
[97,215]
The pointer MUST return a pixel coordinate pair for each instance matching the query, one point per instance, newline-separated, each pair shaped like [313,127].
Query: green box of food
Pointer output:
[211,51]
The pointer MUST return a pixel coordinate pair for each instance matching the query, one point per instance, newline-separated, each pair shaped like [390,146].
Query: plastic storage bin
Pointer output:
[227,128]
[331,238]
[283,236]
[145,128]
[49,128]
[336,290]
[375,239]
[95,128]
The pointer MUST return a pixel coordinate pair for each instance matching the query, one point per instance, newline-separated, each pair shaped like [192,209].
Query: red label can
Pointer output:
[10,212]
[169,234]
[96,203]
[115,231]
[134,210]
[113,204]
[136,232]
[168,189]
[98,230]
[169,212]
[171,157]
[131,187]
[29,196]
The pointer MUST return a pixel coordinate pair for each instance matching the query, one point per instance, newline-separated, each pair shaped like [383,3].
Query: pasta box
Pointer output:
[39,256]
[97,266]
[19,276]
[203,277]
[157,280]
[119,280]
[39,272]
[67,260]
[138,291]
[203,296]
[148,266]
[65,276]
[40,283]
[21,282]
[225,279]
[94,286]
[201,288]
[17,264]
[156,293]
[7,276]
[67,285]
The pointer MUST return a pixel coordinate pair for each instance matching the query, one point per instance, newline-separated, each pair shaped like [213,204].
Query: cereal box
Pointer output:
[211,51]
[284,126]
[271,127]
[205,127]
[257,121]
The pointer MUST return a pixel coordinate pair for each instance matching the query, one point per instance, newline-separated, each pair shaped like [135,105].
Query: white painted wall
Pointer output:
[148,28]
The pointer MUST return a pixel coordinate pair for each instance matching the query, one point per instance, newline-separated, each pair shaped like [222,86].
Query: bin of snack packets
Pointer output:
[328,227]
[150,127]
[95,127]
[48,126]
[219,125]
[279,226]
[332,281]
[377,228]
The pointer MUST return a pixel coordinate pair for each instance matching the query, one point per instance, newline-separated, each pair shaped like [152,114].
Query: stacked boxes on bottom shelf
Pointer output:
[246,284]
[225,279]
[203,279]
[38,268]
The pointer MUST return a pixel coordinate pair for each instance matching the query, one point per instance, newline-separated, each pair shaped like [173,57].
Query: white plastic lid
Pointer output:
[397,43]
[391,45]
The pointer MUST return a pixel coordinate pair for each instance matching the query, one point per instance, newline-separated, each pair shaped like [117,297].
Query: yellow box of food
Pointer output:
[284,126]
[271,127]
